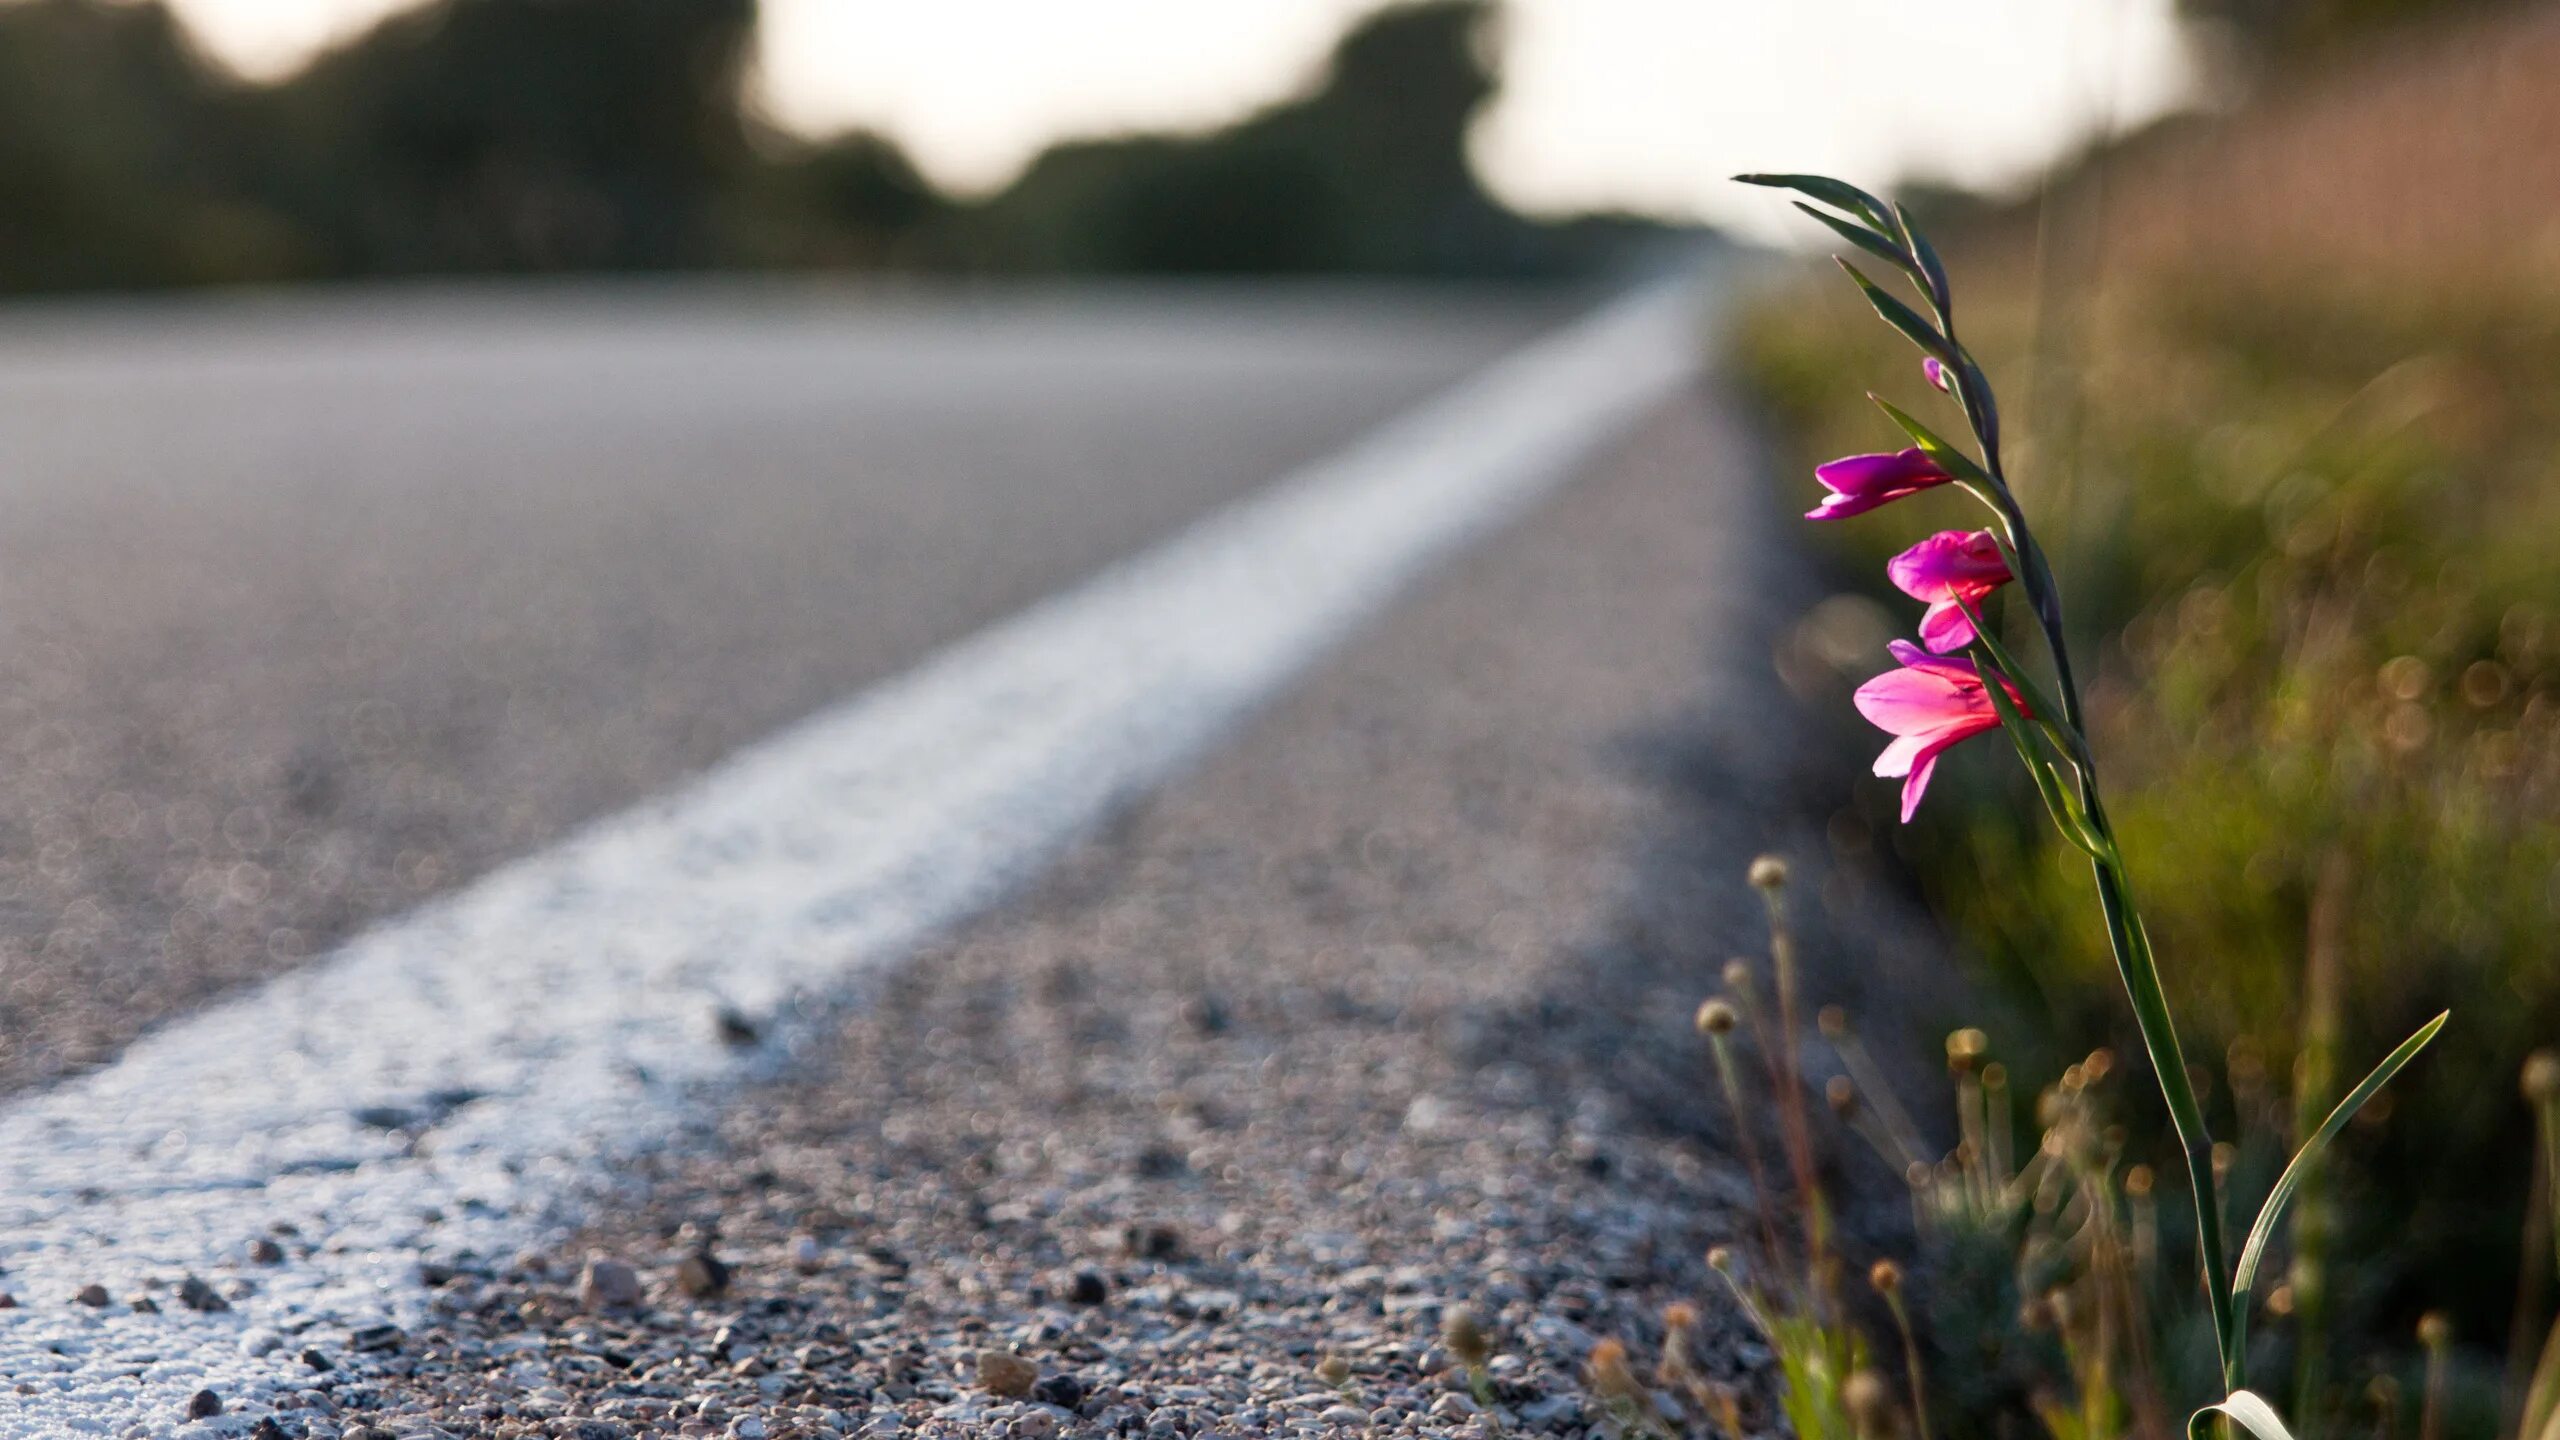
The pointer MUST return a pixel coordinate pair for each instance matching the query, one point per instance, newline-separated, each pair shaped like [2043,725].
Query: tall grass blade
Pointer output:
[2271,1214]
[2249,1409]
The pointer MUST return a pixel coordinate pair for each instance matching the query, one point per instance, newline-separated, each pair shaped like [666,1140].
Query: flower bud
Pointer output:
[2435,1330]
[1832,1021]
[1939,375]
[1720,1259]
[1679,1315]
[1768,872]
[1886,1277]
[1717,1017]
[2542,1077]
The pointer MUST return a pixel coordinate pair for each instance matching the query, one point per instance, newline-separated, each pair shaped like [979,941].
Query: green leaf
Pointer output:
[1860,236]
[2245,1406]
[1925,263]
[2045,768]
[2272,1213]
[1903,318]
[1950,459]
[2039,702]
[1838,194]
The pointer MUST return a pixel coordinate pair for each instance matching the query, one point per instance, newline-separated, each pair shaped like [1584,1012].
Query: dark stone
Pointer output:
[1064,1391]
[374,1339]
[197,1295]
[1088,1288]
[318,1361]
[203,1405]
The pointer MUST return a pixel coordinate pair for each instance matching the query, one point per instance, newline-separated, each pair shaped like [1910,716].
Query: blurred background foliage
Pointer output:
[495,136]
[2306,530]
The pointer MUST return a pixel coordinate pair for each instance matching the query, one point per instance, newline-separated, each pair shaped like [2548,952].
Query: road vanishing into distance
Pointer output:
[313,608]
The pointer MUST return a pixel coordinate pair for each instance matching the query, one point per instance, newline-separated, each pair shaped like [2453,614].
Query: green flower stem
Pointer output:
[2135,964]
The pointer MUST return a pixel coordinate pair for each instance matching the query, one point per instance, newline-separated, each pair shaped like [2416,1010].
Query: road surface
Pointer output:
[313,608]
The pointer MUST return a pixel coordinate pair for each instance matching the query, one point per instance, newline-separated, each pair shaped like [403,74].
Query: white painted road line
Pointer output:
[464,1078]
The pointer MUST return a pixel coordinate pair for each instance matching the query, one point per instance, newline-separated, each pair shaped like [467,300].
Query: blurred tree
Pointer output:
[854,201]
[521,135]
[116,141]
[1368,174]
[2277,33]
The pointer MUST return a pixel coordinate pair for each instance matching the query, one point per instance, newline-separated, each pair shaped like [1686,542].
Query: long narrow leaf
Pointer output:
[1950,459]
[1838,194]
[1925,263]
[2271,1214]
[2045,713]
[2247,1407]
[1903,318]
[1862,237]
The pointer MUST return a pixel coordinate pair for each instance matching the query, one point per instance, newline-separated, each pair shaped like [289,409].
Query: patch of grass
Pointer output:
[2310,544]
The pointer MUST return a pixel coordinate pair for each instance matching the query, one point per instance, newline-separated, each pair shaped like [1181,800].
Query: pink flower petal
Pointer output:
[1945,628]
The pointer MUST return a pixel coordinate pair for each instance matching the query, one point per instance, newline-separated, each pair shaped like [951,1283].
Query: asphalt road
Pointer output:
[310,609]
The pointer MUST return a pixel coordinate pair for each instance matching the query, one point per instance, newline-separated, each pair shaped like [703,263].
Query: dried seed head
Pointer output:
[2138,1181]
[1466,1338]
[1717,1017]
[1833,1022]
[1768,872]
[2435,1330]
[1886,1277]
[1965,1048]
[2225,1155]
[1737,975]
[1918,1175]
[2542,1077]
[1869,1397]
[1995,1076]
[1609,1374]
[1720,1259]
[1841,1095]
[1679,1315]
[2095,1068]
[1333,1370]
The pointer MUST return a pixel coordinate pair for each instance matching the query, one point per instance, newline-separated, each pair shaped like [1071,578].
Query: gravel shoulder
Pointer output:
[1383,1010]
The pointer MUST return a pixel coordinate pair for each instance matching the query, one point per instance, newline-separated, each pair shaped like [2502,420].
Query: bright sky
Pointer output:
[1642,104]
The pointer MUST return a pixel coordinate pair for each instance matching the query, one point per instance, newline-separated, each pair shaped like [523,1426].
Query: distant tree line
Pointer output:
[498,136]
[2286,34]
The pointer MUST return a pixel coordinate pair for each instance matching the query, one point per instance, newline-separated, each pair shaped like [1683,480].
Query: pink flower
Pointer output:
[1938,374]
[1928,705]
[1949,570]
[1860,483]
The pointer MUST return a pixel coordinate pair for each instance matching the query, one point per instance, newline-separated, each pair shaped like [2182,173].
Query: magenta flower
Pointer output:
[1860,483]
[1928,705]
[1939,375]
[1950,570]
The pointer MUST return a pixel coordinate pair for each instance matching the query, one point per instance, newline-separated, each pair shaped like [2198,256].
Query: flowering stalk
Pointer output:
[1934,702]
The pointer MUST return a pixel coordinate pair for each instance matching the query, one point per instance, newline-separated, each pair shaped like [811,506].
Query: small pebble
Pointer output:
[806,1255]
[203,1405]
[197,1295]
[92,1295]
[260,1342]
[608,1284]
[702,1275]
[1088,1288]
[266,1251]
[1005,1375]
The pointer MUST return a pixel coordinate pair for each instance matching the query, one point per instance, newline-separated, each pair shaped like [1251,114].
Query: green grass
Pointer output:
[2313,548]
